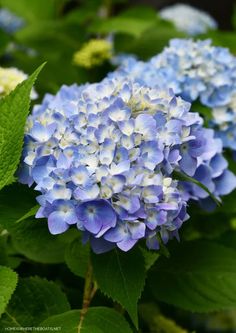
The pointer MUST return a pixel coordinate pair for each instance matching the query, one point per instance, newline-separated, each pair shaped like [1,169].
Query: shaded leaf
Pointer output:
[8,281]
[97,320]
[34,300]
[121,276]
[32,239]
[199,276]
[77,257]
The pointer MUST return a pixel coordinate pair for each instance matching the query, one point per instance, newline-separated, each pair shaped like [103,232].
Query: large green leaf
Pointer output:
[8,281]
[14,109]
[131,26]
[199,276]
[121,276]
[34,300]
[97,320]
[77,257]
[32,239]
[36,10]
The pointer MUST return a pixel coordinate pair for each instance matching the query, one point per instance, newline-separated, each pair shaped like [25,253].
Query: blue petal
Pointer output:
[96,214]
[56,223]
[226,183]
[188,164]
[126,244]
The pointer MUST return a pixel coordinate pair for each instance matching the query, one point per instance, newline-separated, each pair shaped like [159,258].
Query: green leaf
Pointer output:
[183,177]
[152,40]
[133,21]
[14,109]
[36,11]
[150,257]
[34,300]
[121,276]
[131,26]
[77,257]
[97,320]
[32,239]
[199,276]
[140,11]
[30,213]
[8,281]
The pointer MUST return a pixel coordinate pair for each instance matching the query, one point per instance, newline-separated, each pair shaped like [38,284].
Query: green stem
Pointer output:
[90,288]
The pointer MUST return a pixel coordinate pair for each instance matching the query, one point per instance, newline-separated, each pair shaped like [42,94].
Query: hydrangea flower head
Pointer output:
[9,22]
[188,19]
[103,155]
[94,53]
[10,78]
[202,71]
[224,122]
[193,69]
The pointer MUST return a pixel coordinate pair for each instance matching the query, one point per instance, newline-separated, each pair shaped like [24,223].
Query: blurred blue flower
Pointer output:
[9,22]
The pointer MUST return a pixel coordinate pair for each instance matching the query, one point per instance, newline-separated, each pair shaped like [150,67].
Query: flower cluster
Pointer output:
[194,70]
[9,22]
[93,53]
[188,19]
[224,122]
[200,69]
[10,78]
[103,155]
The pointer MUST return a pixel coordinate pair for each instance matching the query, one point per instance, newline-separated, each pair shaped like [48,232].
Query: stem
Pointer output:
[90,288]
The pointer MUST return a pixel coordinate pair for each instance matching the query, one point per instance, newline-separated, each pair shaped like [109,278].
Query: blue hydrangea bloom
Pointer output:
[195,71]
[9,22]
[224,122]
[103,155]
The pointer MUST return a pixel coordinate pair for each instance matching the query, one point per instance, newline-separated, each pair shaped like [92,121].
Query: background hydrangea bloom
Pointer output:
[195,71]
[188,19]
[10,78]
[103,156]
[224,121]
[9,22]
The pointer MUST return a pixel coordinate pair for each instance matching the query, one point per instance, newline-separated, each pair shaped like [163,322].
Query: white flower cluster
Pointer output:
[10,78]
[188,19]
